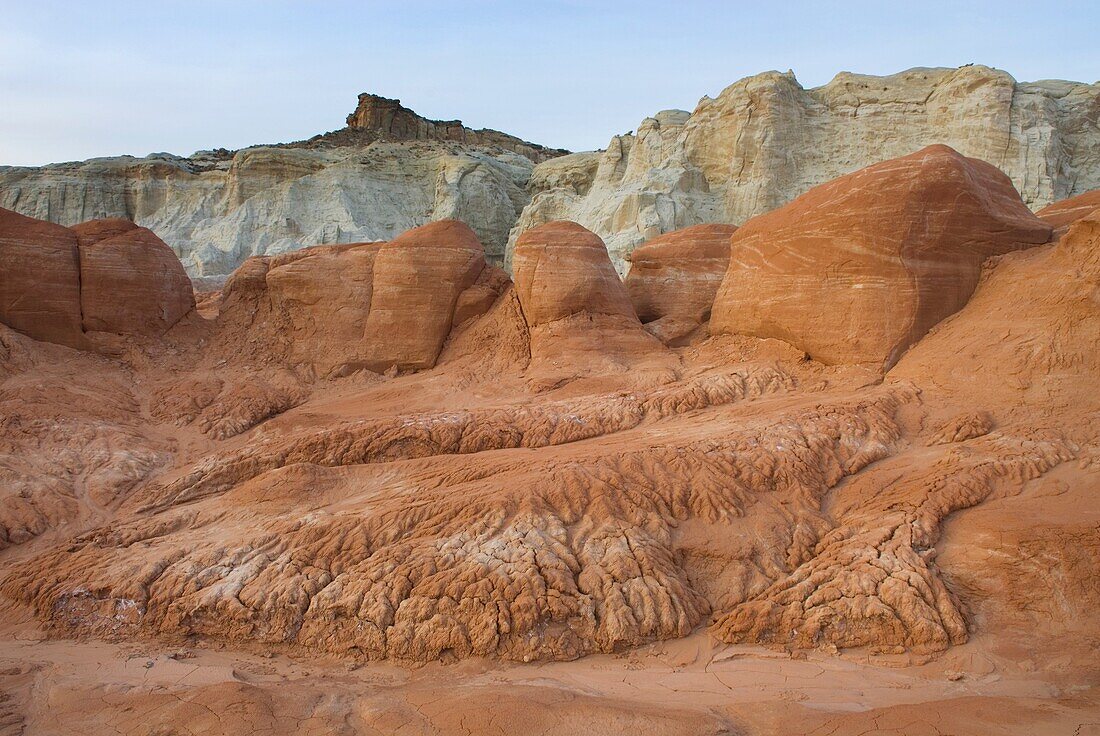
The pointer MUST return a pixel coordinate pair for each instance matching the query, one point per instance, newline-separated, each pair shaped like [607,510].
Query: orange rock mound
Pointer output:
[674,277]
[419,278]
[1061,215]
[576,308]
[858,269]
[40,279]
[101,276]
[131,283]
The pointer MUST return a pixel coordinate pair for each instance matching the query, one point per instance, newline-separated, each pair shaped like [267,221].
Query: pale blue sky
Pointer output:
[82,79]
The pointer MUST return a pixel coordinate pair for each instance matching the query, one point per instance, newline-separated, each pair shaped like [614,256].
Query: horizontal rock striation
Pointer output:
[860,268]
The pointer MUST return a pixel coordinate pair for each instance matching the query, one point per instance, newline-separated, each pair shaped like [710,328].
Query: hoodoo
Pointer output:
[576,308]
[111,276]
[40,279]
[131,283]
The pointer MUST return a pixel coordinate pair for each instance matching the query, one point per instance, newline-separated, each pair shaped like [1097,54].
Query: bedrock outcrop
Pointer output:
[331,310]
[130,281]
[576,308]
[1064,213]
[859,269]
[40,279]
[561,483]
[215,213]
[59,284]
[390,120]
[418,279]
[766,139]
[389,171]
[674,278]
[757,145]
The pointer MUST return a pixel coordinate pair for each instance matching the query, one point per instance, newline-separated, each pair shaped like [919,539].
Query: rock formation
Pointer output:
[40,279]
[390,170]
[859,269]
[765,139]
[1064,213]
[390,120]
[324,297]
[131,283]
[216,213]
[576,309]
[418,279]
[1052,292]
[104,276]
[389,451]
[674,278]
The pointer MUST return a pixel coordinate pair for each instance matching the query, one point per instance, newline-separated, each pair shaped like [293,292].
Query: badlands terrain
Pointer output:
[825,460]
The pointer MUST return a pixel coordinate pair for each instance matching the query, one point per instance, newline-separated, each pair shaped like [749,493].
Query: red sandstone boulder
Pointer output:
[1061,215]
[577,310]
[57,283]
[561,269]
[93,231]
[324,298]
[858,269]
[418,278]
[674,277]
[40,279]
[131,283]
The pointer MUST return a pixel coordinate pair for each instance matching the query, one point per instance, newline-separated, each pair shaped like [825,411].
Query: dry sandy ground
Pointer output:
[688,686]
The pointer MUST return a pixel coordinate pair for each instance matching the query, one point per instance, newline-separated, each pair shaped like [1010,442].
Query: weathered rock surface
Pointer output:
[390,171]
[1030,334]
[390,120]
[418,279]
[58,284]
[576,309]
[40,279]
[1061,215]
[760,143]
[562,484]
[273,200]
[859,269]
[562,269]
[325,295]
[131,283]
[674,278]
[333,310]
[765,139]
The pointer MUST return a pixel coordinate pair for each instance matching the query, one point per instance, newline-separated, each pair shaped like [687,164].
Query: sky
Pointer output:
[86,79]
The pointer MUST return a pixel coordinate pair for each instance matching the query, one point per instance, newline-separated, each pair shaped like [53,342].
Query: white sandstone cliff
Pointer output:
[388,171]
[270,200]
[765,139]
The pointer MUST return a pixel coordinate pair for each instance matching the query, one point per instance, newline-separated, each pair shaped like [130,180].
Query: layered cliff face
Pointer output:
[390,120]
[390,170]
[765,139]
[265,201]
